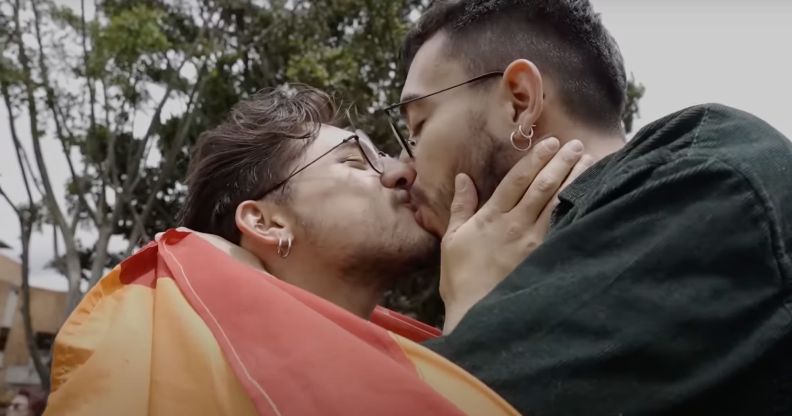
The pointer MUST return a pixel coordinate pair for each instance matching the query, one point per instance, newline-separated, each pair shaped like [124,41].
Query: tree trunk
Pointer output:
[26,220]
[27,318]
[73,269]
[100,256]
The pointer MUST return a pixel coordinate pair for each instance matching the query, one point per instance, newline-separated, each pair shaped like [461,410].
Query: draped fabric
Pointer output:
[182,328]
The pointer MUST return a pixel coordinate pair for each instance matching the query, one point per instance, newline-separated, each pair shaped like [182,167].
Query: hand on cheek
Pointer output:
[481,248]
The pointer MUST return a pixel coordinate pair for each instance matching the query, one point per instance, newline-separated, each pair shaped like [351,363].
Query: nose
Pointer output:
[398,173]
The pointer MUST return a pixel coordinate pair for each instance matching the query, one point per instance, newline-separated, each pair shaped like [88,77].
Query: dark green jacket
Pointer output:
[664,286]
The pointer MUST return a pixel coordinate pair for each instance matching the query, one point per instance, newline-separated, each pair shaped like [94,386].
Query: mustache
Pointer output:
[418,196]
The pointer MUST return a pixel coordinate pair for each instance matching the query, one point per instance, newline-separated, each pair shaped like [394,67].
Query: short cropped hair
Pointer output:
[564,38]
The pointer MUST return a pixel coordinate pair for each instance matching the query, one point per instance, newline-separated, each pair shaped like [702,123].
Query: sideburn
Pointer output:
[488,160]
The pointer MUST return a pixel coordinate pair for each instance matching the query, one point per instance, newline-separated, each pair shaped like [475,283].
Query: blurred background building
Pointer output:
[47,306]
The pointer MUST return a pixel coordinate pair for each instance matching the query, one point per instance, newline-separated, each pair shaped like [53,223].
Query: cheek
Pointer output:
[438,156]
[342,193]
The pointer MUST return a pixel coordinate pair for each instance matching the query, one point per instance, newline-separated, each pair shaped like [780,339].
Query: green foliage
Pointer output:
[132,34]
[209,54]
[635,92]
[94,148]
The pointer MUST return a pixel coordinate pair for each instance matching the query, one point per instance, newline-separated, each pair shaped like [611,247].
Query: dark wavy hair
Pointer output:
[249,153]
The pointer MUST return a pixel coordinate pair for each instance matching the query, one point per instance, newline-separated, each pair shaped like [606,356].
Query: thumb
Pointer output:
[463,206]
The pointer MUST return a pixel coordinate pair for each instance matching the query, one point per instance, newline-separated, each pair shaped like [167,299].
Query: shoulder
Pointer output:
[714,131]
[711,133]
[719,154]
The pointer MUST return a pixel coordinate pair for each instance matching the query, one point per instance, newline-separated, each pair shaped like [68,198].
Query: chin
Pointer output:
[429,223]
[413,237]
[420,251]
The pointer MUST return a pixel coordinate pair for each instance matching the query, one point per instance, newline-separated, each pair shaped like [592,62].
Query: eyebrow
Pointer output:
[348,145]
[407,99]
[366,139]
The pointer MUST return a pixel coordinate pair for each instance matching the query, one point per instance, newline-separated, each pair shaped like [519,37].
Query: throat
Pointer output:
[357,294]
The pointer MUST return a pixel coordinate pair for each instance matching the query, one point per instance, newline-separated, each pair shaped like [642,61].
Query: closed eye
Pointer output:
[416,131]
[356,162]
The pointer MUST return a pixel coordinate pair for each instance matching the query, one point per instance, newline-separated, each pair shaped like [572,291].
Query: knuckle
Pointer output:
[545,184]
[481,222]
[484,217]
[522,179]
[514,231]
[532,243]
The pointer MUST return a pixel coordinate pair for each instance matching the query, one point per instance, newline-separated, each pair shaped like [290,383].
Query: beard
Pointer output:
[488,161]
[376,253]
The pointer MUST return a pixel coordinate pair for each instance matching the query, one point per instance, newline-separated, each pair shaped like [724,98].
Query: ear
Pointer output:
[523,81]
[261,224]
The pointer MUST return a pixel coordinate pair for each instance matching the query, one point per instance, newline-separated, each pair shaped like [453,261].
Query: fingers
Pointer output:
[543,221]
[464,204]
[585,162]
[548,182]
[522,174]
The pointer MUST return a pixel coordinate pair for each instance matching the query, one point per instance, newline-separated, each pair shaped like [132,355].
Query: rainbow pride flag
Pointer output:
[182,328]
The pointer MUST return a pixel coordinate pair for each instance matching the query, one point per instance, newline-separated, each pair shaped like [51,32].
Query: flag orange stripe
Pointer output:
[289,342]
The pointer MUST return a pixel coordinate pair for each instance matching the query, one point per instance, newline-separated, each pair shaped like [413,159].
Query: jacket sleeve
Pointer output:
[667,284]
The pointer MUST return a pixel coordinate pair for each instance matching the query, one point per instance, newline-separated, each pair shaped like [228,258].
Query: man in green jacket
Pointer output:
[664,285]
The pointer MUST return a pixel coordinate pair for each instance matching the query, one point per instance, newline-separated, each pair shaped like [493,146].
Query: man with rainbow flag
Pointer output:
[266,303]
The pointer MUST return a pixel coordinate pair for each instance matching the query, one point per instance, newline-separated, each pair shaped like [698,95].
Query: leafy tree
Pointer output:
[125,93]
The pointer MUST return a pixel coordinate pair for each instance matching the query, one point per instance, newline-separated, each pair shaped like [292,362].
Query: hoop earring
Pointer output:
[284,252]
[528,136]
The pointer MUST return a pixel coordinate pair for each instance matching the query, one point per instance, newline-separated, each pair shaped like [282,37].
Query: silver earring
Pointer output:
[284,252]
[528,136]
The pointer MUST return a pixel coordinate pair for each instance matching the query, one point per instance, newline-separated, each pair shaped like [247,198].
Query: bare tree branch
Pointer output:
[72,259]
[15,137]
[26,219]
[55,247]
[10,202]
[51,103]
[31,172]
[167,165]
[86,62]
[133,167]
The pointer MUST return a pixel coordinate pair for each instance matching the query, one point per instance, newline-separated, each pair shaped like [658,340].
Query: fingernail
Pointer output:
[551,144]
[460,183]
[576,146]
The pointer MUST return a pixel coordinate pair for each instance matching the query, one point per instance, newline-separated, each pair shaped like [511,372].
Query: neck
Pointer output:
[598,143]
[358,293]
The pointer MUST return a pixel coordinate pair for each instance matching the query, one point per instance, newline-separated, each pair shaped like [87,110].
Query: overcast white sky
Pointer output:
[685,52]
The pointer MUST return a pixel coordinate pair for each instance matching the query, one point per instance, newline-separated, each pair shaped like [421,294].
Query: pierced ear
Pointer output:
[260,224]
[524,82]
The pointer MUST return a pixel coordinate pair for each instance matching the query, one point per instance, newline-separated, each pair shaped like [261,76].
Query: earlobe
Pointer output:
[524,83]
[256,224]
